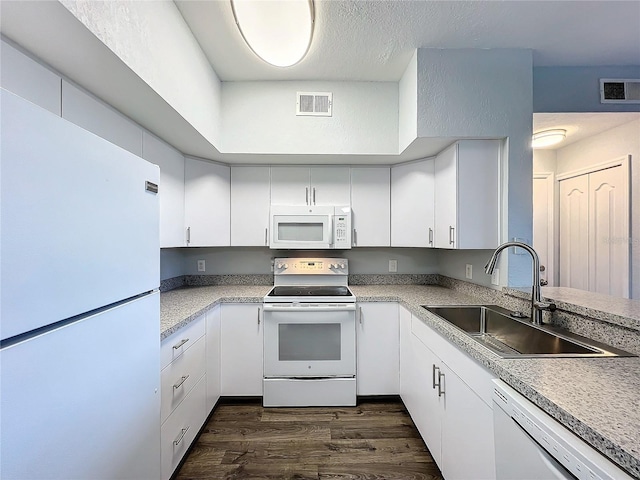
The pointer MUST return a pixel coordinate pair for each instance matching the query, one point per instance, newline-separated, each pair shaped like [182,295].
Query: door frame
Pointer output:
[552,249]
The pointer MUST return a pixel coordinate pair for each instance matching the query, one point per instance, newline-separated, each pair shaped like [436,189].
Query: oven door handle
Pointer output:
[311,308]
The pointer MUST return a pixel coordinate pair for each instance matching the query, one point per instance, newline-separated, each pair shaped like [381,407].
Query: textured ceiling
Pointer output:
[374,40]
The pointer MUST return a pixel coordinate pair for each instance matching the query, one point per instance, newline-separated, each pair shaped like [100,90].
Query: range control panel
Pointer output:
[311,266]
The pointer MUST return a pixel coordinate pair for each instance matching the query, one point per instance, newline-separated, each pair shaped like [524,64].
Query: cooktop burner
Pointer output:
[309,291]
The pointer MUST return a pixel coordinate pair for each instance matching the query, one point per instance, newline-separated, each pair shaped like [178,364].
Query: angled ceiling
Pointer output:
[373,40]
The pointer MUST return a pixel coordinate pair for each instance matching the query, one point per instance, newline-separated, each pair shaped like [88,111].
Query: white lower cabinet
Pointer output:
[241,349]
[454,419]
[213,356]
[378,347]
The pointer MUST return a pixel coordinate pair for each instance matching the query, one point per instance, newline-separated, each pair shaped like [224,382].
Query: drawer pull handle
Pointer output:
[183,432]
[182,380]
[180,343]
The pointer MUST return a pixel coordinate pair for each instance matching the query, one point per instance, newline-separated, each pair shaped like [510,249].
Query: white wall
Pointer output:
[544,161]
[408,104]
[260,117]
[486,93]
[610,145]
[154,41]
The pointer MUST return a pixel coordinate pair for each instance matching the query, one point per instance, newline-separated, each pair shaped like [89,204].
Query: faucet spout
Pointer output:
[537,305]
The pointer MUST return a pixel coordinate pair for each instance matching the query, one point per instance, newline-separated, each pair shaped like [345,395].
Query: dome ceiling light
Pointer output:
[547,138]
[277,31]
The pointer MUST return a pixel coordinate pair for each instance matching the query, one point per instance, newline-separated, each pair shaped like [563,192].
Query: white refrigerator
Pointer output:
[79,311]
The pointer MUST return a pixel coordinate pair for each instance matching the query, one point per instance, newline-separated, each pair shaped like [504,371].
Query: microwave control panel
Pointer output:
[341,231]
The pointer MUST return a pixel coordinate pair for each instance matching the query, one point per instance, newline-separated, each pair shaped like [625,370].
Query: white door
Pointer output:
[329,186]
[412,209]
[574,232]
[290,186]
[609,232]
[446,198]
[250,202]
[371,206]
[543,238]
[206,203]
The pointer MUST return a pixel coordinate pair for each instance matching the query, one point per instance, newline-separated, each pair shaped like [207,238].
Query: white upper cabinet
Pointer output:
[250,201]
[171,189]
[310,186]
[28,79]
[467,195]
[371,206]
[206,203]
[412,204]
[91,114]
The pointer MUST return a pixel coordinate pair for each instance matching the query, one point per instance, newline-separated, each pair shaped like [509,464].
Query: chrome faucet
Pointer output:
[537,305]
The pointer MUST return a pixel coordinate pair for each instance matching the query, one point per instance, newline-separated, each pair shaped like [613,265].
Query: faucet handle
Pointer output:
[550,307]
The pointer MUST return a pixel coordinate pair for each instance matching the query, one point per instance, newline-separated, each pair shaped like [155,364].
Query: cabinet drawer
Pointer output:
[182,427]
[179,377]
[179,342]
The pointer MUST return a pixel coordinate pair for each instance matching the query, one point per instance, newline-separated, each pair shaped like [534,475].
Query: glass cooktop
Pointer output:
[309,291]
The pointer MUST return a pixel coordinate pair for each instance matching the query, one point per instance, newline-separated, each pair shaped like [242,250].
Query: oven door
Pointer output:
[309,341]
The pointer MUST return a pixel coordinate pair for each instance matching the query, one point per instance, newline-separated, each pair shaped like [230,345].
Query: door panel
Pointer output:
[574,232]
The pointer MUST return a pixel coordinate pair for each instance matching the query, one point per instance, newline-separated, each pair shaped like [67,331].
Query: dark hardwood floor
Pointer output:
[374,440]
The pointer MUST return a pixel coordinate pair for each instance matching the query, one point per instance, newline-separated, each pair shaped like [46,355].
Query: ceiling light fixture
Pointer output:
[546,138]
[277,31]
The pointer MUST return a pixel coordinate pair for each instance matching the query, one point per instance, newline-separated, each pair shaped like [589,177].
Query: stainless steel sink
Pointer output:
[510,337]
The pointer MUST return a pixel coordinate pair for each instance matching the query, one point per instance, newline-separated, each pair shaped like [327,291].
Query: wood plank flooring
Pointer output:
[374,440]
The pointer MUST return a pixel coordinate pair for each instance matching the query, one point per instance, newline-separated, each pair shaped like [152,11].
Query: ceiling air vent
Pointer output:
[626,90]
[317,104]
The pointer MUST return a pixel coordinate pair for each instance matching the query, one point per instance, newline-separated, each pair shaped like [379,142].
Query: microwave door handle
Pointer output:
[331,232]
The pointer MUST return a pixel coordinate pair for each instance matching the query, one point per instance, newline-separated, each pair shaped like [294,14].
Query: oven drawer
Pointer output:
[293,392]
[309,341]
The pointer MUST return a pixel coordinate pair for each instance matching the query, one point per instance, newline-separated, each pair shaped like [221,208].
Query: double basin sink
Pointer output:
[496,329]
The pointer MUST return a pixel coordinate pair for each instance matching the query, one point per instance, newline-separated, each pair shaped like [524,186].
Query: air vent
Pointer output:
[619,90]
[317,104]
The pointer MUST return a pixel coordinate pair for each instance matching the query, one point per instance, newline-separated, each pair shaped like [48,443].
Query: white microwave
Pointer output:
[310,227]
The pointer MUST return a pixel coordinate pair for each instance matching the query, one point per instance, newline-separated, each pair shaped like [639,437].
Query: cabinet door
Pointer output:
[467,431]
[241,350]
[406,365]
[329,186]
[250,201]
[91,114]
[213,356]
[171,189]
[371,206]
[378,368]
[290,186]
[206,203]
[446,195]
[28,79]
[412,207]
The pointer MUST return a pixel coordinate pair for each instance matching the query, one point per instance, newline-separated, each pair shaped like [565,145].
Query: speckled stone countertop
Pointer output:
[596,398]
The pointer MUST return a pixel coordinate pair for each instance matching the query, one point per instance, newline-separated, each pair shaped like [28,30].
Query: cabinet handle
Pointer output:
[188,235]
[433,376]
[180,343]
[266,237]
[440,387]
[451,235]
[182,380]
[183,432]
[306,195]
[314,195]
[431,236]
[258,315]
[355,237]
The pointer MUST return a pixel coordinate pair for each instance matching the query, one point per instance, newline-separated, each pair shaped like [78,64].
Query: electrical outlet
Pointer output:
[468,271]
[495,277]
[201,266]
[393,265]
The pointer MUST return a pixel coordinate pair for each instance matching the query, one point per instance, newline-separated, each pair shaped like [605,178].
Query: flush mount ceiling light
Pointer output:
[546,138]
[277,31]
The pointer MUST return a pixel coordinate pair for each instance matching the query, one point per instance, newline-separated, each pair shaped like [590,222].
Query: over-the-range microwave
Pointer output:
[310,227]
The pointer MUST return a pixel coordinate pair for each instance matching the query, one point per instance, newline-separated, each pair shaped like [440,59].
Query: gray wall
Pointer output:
[577,89]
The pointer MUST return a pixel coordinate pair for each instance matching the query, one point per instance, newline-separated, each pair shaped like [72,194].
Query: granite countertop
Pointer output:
[596,398]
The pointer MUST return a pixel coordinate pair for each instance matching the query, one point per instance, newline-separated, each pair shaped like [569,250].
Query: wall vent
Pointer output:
[625,90]
[317,104]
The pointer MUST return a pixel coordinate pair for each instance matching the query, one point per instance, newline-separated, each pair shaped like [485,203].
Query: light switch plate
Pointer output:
[393,266]
[201,266]
[468,271]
